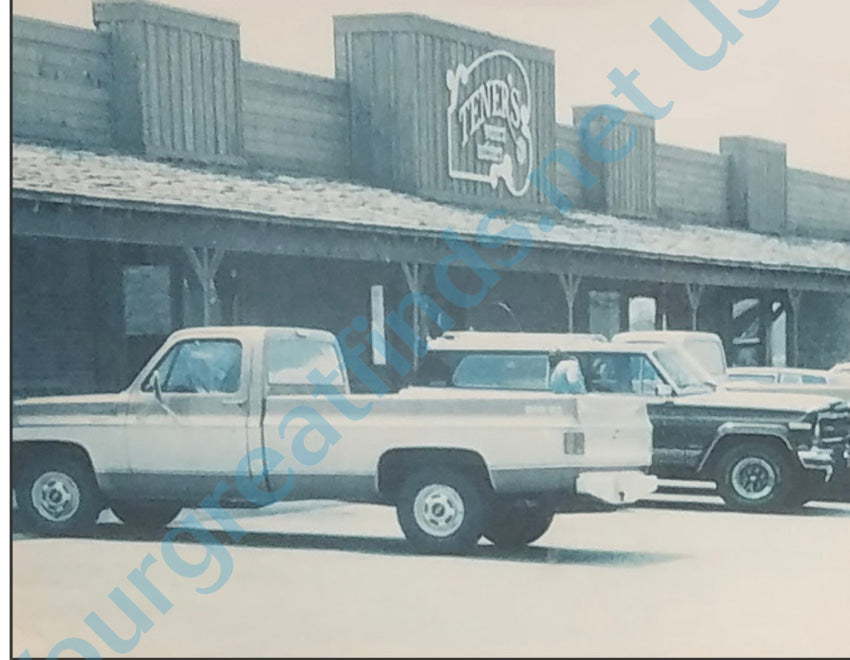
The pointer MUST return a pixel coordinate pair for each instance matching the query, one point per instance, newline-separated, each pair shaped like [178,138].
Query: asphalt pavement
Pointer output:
[675,576]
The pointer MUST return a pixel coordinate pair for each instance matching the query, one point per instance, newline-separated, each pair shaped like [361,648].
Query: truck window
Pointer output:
[502,372]
[200,366]
[436,369]
[289,362]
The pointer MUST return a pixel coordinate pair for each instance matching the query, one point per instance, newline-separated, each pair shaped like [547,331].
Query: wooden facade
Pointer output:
[165,84]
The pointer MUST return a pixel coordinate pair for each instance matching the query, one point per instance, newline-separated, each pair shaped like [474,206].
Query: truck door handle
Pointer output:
[234,402]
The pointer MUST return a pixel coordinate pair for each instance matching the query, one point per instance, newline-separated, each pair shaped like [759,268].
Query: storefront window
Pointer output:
[605,313]
[642,313]
[147,300]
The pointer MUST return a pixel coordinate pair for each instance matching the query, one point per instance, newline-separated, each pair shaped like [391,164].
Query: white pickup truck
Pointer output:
[229,415]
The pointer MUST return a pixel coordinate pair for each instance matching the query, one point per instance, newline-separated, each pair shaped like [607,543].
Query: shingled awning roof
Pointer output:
[54,173]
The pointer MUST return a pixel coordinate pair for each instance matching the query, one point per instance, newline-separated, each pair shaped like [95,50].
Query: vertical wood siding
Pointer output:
[399,97]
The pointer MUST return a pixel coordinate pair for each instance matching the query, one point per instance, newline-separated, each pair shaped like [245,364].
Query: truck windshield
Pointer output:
[683,374]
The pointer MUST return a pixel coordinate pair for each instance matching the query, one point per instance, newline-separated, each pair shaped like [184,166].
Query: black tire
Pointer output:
[516,524]
[145,515]
[757,477]
[811,486]
[58,495]
[439,491]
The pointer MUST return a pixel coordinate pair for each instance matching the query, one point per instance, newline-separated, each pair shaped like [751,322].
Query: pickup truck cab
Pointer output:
[231,415]
[765,451]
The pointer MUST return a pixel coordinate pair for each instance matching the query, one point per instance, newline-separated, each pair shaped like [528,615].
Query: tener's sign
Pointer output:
[489,122]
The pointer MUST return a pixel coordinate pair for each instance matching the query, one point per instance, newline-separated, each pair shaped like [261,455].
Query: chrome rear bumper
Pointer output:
[616,487]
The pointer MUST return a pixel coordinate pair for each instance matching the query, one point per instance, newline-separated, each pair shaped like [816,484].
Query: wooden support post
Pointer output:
[205,263]
[794,300]
[411,274]
[570,283]
[694,292]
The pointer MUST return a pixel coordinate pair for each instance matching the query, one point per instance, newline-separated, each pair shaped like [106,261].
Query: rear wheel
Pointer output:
[757,477]
[58,495]
[145,515]
[442,510]
[517,523]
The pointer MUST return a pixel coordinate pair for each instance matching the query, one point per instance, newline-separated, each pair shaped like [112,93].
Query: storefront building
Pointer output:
[159,181]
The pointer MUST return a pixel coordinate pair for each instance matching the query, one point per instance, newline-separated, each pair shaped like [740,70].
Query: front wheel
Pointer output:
[145,515]
[442,510]
[58,495]
[516,524]
[757,477]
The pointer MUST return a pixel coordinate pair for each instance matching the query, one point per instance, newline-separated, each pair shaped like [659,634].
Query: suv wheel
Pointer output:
[442,510]
[756,477]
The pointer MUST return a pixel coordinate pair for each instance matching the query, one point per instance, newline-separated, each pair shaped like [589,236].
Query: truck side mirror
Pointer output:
[663,390]
[157,393]
[157,387]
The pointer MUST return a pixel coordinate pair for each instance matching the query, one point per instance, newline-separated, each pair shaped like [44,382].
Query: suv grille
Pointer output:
[835,424]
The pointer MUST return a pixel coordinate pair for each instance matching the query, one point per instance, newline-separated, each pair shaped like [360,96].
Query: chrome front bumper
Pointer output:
[616,487]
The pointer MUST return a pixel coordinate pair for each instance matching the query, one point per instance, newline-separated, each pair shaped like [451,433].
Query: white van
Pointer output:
[705,348]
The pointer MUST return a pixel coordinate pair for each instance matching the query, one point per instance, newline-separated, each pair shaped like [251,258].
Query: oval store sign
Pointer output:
[489,122]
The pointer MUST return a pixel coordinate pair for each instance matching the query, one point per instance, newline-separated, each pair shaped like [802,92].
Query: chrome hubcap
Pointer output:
[55,496]
[438,510]
[753,478]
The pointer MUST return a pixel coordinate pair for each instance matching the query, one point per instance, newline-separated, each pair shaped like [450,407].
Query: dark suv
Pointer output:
[765,451]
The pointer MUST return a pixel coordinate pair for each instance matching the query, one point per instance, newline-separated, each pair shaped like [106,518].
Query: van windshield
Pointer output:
[709,356]
[683,373]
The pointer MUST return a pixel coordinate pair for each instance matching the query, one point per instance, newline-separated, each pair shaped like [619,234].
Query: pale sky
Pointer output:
[787,79]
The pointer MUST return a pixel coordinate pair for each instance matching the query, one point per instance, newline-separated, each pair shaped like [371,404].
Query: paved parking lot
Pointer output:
[676,576]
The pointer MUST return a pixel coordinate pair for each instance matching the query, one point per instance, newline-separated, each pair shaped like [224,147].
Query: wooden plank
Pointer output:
[199,107]
[33,108]
[73,64]
[221,115]
[236,59]
[325,167]
[90,98]
[332,131]
[267,76]
[290,134]
[232,104]
[152,103]
[25,127]
[295,107]
[175,92]
[162,82]
[54,33]
[187,91]
[209,94]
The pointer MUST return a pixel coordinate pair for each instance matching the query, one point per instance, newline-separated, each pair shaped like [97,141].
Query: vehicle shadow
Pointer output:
[811,510]
[376,545]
